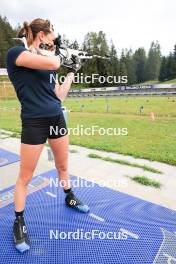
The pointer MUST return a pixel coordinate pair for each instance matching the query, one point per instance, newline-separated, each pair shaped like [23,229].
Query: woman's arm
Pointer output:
[34,61]
[62,90]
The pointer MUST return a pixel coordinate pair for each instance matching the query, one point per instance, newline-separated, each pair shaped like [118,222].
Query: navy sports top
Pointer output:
[33,88]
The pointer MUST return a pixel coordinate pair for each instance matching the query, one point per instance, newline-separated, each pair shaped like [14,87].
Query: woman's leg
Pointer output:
[29,155]
[59,147]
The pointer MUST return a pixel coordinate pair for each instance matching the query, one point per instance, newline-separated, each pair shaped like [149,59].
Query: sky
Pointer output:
[128,23]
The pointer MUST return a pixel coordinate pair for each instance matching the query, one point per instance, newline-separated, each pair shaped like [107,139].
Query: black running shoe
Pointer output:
[20,235]
[74,203]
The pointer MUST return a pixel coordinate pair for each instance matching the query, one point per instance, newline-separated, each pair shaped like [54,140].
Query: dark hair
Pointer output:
[30,30]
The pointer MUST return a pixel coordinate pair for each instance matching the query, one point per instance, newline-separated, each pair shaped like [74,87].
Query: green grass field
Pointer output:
[154,140]
[161,106]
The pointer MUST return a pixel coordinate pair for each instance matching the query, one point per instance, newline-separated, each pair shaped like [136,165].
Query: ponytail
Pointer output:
[30,30]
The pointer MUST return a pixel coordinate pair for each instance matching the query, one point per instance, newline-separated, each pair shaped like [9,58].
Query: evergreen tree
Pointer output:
[171,67]
[163,75]
[174,63]
[7,33]
[123,68]
[96,44]
[140,64]
[74,45]
[102,50]
[113,63]
[89,45]
[153,62]
[131,68]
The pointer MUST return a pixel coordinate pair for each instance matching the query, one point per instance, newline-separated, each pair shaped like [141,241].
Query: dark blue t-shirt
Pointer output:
[33,88]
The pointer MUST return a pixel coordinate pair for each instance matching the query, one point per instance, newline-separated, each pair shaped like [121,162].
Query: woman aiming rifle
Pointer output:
[29,72]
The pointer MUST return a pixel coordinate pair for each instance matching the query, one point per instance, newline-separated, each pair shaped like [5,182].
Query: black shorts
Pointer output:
[38,130]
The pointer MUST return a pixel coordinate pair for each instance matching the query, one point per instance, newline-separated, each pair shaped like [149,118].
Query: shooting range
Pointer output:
[105,75]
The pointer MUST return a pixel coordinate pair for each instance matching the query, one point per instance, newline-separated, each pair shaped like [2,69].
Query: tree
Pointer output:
[75,45]
[89,45]
[174,62]
[131,67]
[7,33]
[140,64]
[171,67]
[113,63]
[153,62]
[96,44]
[163,75]
[123,68]
[102,50]
[168,67]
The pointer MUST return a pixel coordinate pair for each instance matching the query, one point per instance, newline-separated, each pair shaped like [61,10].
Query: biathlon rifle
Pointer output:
[67,51]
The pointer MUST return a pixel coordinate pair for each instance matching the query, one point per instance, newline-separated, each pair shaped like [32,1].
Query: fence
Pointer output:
[7,90]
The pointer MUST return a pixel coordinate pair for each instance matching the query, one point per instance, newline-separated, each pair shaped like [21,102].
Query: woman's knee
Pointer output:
[62,167]
[25,177]
[23,181]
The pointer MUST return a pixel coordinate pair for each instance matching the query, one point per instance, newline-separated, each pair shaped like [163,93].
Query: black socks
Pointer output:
[67,191]
[19,213]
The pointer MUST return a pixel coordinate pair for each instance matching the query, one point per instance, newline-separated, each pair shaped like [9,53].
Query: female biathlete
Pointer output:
[29,72]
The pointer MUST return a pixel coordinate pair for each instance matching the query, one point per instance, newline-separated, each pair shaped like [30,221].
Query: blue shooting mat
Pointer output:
[144,232]
[7,157]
